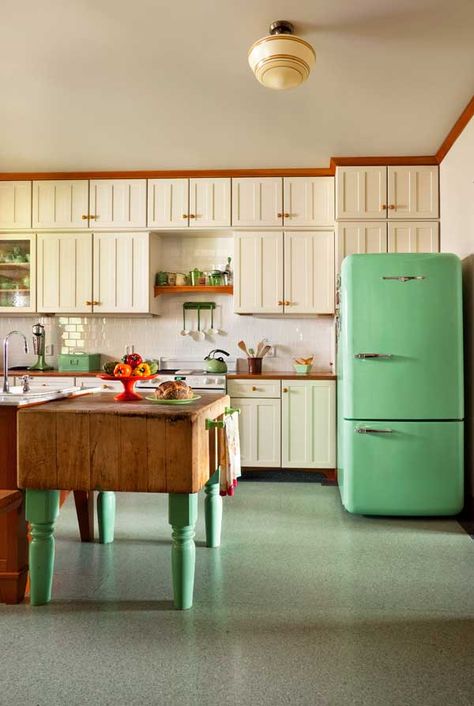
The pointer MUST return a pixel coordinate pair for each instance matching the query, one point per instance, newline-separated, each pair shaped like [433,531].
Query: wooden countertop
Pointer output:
[282,375]
[93,442]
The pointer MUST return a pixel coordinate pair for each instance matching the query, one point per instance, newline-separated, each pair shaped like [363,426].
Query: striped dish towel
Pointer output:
[229,454]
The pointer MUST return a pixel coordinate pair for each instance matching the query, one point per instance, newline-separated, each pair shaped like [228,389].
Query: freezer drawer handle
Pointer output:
[406,278]
[363,356]
[369,430]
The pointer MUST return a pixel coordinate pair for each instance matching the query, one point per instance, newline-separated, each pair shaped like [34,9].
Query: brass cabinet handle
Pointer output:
[85,217]
[383,207]
[254,389]
[185,215]
[391,207]
[95,303]
[192,215]
[287,215]
[287,303]
[285,389]
[93,217]
[280,302]
[89,303]
[279,215]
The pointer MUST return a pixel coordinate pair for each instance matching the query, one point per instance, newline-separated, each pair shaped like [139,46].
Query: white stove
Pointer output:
[187,370]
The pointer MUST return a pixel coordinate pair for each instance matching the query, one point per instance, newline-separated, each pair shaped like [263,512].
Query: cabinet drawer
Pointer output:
[254,388]
[49,382]
[106,385]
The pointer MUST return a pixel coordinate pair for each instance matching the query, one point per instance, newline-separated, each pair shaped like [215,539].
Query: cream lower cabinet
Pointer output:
[259,425]
[124,266]
[308,422]
[284,273]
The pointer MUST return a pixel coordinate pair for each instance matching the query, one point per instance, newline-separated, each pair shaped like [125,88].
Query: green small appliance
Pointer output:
[39,346]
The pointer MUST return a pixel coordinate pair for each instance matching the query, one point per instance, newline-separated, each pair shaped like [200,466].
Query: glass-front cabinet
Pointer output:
[17,273]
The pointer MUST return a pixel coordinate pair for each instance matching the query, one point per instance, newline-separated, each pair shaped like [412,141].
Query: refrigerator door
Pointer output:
[401,336]
[403,468]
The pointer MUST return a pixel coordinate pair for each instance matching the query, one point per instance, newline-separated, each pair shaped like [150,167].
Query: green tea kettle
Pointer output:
[216,365]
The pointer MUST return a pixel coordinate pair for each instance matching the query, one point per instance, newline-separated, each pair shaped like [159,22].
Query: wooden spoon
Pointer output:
[243,348]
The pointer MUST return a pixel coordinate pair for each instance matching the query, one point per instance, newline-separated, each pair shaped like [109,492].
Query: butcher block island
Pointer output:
[95,443]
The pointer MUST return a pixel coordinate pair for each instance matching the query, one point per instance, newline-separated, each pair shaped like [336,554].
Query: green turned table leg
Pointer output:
[182,518]
[42,509]
[106,516]
[213,511]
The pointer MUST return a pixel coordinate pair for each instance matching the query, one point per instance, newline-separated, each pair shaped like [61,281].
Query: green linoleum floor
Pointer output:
[303,604]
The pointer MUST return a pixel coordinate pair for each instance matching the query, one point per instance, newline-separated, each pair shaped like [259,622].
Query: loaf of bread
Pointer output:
[174,390]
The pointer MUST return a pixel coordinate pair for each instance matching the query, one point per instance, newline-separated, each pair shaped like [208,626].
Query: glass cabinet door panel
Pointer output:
[17,273]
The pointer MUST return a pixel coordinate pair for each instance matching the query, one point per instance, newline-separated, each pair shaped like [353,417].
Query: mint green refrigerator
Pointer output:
[400,384]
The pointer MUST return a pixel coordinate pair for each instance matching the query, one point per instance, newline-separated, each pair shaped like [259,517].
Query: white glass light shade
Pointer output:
[281,61]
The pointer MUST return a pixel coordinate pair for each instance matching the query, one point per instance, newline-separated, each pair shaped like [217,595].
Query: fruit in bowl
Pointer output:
[131,365]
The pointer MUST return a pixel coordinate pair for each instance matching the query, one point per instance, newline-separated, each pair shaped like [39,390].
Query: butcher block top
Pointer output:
[282,375]
[95,443]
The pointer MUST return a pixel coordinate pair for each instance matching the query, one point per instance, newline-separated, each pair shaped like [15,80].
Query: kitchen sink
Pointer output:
[36,393]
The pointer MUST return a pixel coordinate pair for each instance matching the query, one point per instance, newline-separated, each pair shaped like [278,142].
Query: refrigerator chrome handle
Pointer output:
[370,430]
[406,278]
[363,356]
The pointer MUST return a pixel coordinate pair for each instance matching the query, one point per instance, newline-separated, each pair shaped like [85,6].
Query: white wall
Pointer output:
[457,236]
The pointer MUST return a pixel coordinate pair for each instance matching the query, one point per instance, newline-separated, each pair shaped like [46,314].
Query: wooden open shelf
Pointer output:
[198,289]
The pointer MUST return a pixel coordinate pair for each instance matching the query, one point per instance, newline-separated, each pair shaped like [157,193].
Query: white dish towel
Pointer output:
[229,454]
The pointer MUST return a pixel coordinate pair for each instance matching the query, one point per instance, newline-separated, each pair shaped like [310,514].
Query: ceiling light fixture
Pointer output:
[281,60]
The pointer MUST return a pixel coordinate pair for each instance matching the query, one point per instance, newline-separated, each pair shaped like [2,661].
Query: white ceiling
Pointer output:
[165,84]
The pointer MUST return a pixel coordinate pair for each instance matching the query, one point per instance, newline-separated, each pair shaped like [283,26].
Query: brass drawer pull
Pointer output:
[285,389]
[254,389]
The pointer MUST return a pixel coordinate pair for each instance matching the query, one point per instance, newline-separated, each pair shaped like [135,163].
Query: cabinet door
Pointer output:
[308,423]
[413,237]
[121,273]
[61,204]
[361,192]
[118,203]
[360,238]
[309,272]
[413,192]
[257,202]
[168,203]
[258,273]
[260,431]
[15,204]
[17,273]
[209,203]
[65,272]
[308,201]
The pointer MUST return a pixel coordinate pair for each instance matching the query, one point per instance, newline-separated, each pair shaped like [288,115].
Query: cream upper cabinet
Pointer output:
[258,272]
[124,269]
[118,203]
[64,272]
[257,202]
[61,204]
[361,192]
[168,203]
[308,201]
[309,272]
[359,238]
[308,426]
[413,192]
[209,203]
[15,204]
[416,237]
[260,433]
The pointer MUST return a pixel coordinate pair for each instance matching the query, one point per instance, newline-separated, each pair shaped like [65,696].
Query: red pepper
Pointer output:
[132,359]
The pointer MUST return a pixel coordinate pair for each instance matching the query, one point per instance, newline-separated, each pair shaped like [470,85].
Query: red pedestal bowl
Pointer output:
[128,394]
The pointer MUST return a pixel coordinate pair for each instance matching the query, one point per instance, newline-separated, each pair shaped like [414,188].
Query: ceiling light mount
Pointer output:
[281,60]
[281,27]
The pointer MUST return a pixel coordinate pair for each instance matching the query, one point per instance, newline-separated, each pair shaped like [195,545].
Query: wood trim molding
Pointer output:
[456,130]
[433,160]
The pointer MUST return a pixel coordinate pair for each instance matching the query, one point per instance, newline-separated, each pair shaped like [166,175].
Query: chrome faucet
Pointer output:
[6,384]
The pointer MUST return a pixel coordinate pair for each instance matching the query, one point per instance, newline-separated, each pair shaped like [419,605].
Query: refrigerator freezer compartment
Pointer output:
[401,337]
[402,468]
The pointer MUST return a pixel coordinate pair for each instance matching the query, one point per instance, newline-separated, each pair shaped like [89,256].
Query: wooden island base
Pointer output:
[94,443]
